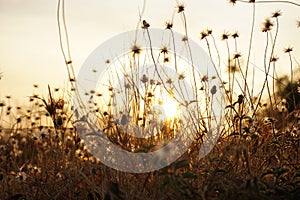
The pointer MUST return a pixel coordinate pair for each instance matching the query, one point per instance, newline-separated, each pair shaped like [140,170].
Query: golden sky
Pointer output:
[29,45]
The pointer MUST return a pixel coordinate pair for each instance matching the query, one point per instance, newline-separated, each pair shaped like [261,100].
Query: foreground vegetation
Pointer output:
[256,157]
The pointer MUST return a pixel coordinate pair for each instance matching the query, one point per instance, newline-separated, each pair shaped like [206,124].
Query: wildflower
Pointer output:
[169,25]
[152,81]
[276,14]
[166,59]
[180,8]
[233,2]
[150,94]
[107,61]
[110,88]
[237,55]
[145,24]
[69,62]
[274,59]
[288,50]
[184,38]
[213,90]
[251,1]
[2,104]
[298,23]
[35,85]
[203,35]
[204,78]
[169,81]
[72,79]
[181,76]
[136,49]
[164,50]
[240,99]
[267,25]
[235,35]
[144,79]
[208,31]
[127,86]
[225,36]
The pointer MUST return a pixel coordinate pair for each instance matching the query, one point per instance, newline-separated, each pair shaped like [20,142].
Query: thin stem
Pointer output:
[285,2]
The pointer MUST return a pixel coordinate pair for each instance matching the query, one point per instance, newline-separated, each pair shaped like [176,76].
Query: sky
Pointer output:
[29,42]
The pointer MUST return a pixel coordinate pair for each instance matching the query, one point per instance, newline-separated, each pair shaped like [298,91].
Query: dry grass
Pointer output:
[256,156]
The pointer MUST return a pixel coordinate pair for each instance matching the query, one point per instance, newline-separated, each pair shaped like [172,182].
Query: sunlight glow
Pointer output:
[170,108]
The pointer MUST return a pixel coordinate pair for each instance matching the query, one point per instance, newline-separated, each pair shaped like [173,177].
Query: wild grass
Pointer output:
[42,155]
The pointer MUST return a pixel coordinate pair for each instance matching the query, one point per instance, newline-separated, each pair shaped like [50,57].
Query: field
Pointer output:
[46,153]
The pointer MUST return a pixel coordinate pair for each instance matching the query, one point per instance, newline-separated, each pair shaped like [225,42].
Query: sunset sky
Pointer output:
[29,44]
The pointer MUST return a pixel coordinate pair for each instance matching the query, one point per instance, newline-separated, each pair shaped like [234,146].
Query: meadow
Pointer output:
[256,156]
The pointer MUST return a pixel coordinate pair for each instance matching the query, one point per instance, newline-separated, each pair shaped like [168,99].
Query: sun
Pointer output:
[170,108]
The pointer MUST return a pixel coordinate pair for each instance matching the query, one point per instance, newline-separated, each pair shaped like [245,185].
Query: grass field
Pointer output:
[42,155]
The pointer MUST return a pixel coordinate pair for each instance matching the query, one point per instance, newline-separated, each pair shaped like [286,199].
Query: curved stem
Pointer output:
[285,2]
